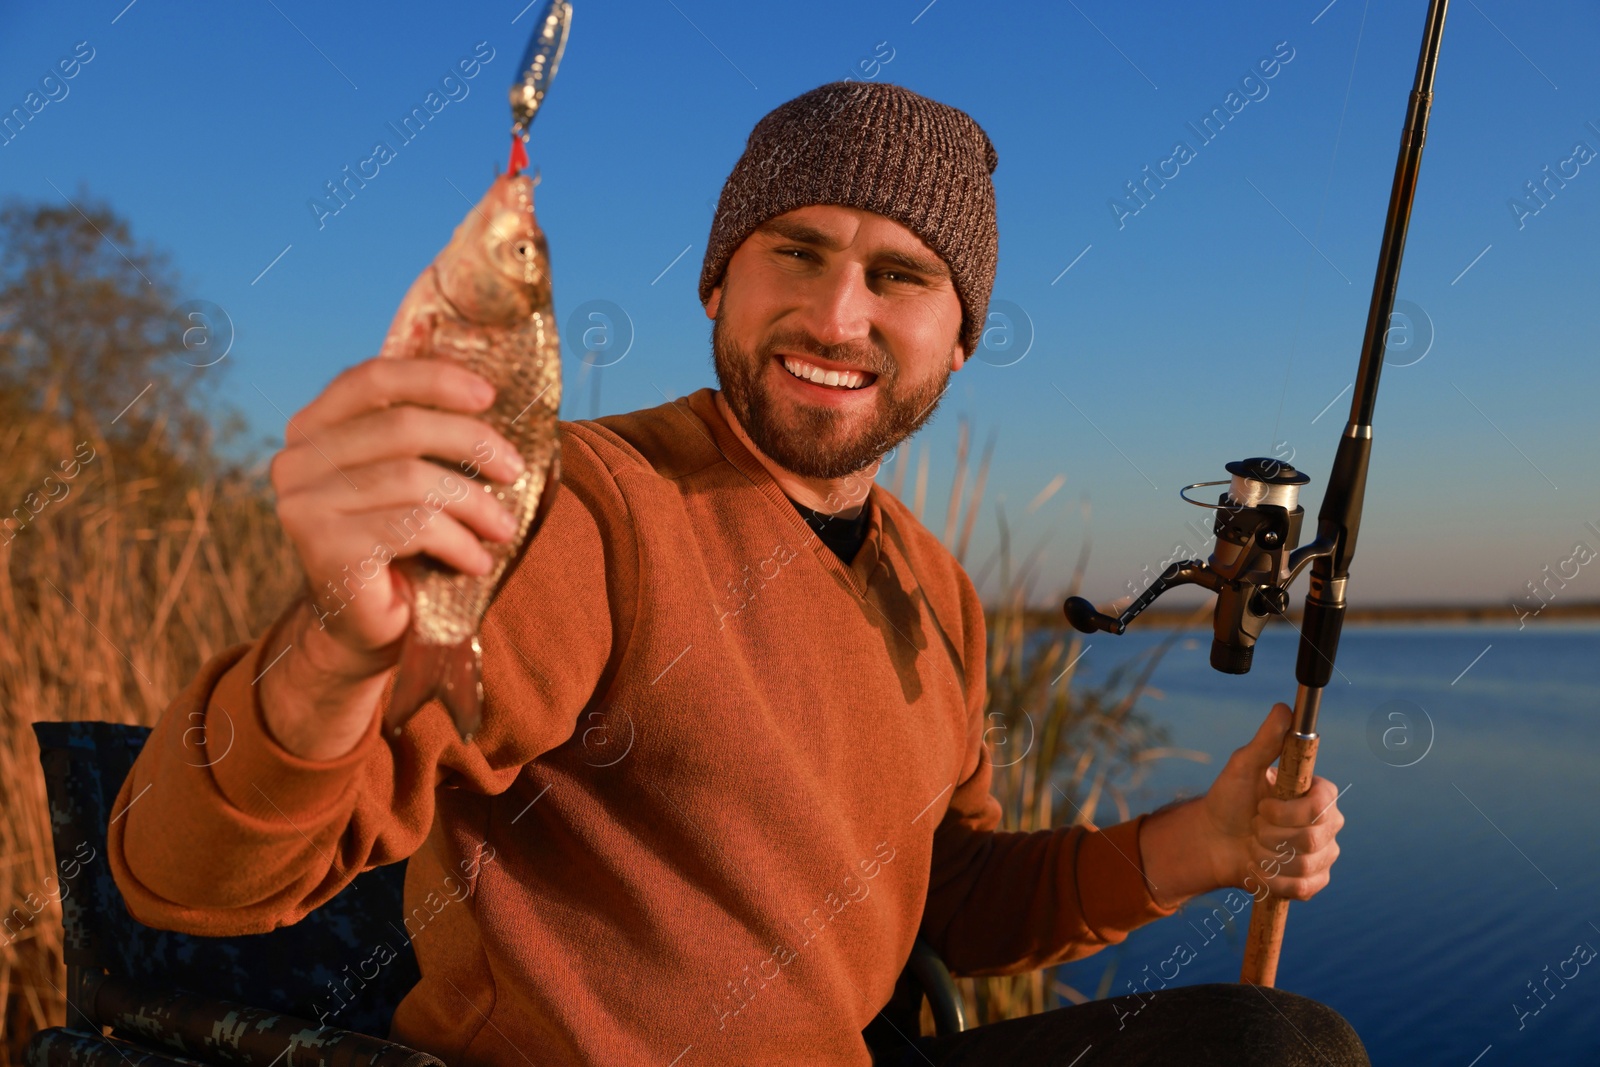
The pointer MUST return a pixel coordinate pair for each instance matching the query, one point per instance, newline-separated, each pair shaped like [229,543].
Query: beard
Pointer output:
[812,440]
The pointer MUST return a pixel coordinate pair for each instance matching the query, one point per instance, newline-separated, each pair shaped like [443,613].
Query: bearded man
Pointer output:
[731,762]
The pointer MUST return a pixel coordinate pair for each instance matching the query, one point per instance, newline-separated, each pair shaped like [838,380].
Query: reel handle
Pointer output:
[1086,618]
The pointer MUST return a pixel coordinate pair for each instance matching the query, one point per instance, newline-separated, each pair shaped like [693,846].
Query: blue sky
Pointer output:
[1219,321]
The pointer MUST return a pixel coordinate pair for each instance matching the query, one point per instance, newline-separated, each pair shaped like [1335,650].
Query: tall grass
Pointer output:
[111,597]
[1063,753]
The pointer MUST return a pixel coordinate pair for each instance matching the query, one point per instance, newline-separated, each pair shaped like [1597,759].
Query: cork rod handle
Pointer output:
[1296,767]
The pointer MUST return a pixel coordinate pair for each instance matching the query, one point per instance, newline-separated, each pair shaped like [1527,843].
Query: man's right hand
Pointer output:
[351,473]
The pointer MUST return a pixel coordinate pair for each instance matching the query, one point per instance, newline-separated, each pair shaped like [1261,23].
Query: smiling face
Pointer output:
[827,294]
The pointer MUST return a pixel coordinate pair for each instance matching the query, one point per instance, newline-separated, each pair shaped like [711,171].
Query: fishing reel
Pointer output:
[1255,560]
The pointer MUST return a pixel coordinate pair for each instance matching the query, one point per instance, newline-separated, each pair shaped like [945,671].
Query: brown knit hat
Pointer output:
[881,148]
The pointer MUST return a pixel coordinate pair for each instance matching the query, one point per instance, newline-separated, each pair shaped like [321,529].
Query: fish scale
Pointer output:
[485,303]
[450,605]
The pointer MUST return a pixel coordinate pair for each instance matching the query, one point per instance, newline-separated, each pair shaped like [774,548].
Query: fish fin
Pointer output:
[452,674]
[411,339]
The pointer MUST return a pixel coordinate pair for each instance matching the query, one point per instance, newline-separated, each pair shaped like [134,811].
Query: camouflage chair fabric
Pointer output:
[297,972]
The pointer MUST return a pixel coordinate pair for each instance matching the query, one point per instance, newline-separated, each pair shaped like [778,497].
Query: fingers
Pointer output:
[379,383]
[1304,840]
[1269,735]
[408,487]
[1299,878]
[333,453]
[409,506]
[1295,842]
[1276,724]
[1288,872]
[1267,784]
[391,461]
[363,544]
[1320,802]
[1254,756]
[441,536]
[410,430]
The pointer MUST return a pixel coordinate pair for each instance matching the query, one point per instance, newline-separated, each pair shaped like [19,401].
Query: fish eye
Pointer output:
[523,249]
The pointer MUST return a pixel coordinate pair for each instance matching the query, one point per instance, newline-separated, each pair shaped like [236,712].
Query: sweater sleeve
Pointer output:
[222,831]
[1006,902]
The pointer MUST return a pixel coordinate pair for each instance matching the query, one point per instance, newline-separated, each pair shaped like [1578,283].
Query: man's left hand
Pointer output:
[1256,839]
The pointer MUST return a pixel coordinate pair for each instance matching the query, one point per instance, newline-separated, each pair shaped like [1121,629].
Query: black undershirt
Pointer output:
[842,536]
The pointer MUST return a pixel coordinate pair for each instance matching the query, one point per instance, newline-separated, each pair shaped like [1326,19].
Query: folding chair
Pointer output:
[141,997]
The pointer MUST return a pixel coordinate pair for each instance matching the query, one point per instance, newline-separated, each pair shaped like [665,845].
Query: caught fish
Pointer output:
[485,302]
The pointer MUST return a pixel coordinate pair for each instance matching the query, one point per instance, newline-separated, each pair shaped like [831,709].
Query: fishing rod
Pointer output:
[1257,555]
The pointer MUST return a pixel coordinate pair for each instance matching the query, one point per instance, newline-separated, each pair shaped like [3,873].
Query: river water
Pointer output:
[1461,923]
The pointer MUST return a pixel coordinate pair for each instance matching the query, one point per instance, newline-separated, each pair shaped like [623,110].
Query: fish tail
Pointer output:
[451,674]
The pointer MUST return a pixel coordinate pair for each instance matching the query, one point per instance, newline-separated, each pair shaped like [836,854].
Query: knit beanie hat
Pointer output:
[881,148]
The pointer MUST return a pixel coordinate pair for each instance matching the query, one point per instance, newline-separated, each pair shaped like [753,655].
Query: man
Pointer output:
[728,768]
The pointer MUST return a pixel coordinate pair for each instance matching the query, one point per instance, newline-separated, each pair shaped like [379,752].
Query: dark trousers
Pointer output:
[1224,1024]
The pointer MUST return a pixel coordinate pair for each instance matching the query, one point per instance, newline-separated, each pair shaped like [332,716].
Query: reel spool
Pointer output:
[1257,525]
[1251,567]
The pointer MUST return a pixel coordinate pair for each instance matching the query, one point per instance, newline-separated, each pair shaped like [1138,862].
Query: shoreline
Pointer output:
[1462,615]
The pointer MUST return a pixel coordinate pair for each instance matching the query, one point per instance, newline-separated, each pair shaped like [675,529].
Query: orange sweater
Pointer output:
[723,779]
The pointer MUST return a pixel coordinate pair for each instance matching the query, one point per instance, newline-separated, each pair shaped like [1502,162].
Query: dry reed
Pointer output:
[1061,752]
[111,597]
